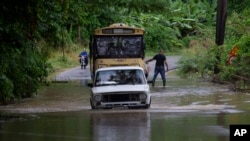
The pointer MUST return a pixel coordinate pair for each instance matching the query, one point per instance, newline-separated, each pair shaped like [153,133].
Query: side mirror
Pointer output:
[150,81]
[90,85]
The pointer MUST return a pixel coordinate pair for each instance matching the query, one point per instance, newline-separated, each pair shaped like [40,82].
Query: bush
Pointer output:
[6,89]
[239,70]
[197,60]
[23,67]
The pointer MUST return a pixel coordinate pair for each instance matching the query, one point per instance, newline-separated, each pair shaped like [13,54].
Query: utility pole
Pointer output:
[220,29]
[221,21]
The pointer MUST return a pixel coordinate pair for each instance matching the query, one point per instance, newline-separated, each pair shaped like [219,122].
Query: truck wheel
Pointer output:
[148,105]
[91,104]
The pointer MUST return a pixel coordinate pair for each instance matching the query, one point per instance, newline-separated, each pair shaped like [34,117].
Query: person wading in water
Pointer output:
[159,67]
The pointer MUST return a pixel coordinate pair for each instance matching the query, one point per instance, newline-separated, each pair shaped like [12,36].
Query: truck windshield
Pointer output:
[118,46]
[120,77]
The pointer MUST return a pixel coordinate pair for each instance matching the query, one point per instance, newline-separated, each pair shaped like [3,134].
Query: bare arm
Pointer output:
[149,60]
[166,64]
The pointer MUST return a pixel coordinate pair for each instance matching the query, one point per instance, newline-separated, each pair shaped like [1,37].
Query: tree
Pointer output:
[23,66]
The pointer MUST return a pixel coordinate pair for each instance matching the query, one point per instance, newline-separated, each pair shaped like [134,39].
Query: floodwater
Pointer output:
[184,110]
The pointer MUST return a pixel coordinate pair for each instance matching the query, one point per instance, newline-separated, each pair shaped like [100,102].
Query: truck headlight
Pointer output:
[143,96]
[98,98]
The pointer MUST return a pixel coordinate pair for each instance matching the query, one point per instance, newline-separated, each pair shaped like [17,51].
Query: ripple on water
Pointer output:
[195,108]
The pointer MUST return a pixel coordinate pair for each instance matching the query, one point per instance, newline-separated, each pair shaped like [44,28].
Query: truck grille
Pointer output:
[117,97]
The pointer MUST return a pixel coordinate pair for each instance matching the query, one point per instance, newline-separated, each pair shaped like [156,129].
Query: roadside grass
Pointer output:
[60,62]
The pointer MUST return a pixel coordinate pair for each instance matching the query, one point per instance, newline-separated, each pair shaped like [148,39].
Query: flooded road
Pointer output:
[122,125]
[184,110]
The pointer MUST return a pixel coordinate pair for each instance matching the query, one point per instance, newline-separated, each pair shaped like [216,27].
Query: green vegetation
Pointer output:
[210,61]
[41,37]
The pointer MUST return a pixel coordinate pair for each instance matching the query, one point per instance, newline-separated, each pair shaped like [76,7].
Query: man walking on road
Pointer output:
[159,67]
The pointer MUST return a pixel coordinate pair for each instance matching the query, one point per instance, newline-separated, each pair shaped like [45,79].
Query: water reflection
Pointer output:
[121,126]
[188,127]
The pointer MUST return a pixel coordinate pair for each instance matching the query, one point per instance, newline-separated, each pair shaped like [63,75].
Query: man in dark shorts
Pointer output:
[159,67]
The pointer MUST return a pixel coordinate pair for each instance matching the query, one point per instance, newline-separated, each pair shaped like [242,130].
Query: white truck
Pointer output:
[121,86]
